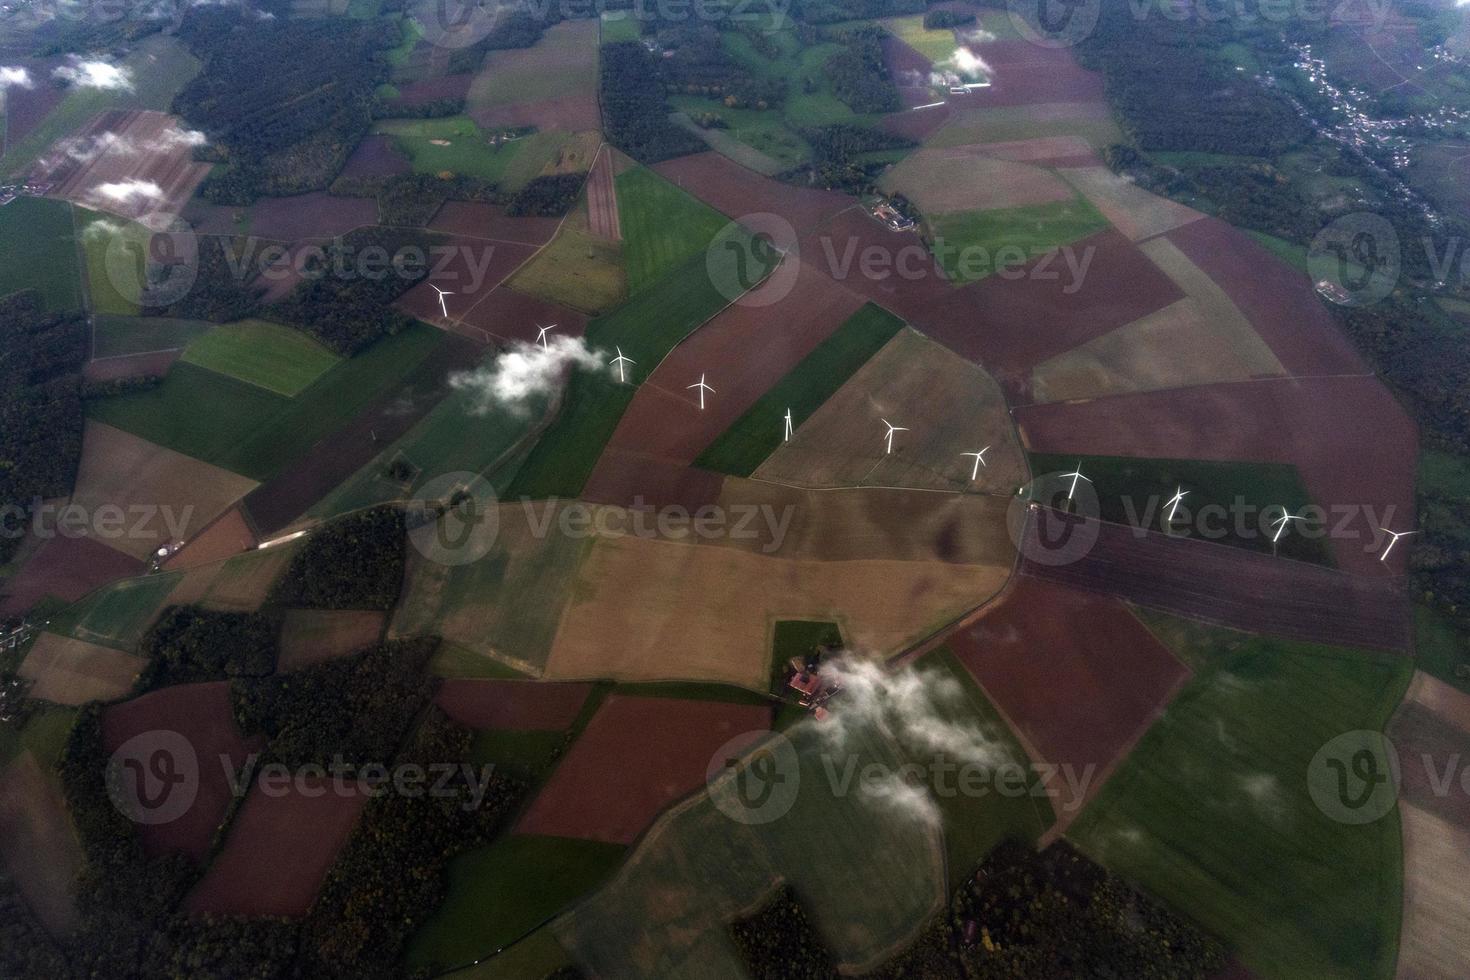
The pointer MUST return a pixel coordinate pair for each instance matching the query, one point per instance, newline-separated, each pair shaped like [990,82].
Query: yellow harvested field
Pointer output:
[1177,346]
[154,494]
[1450,704]
[312,636]
[644,610]
[1436,897]
[37,843]
[963,178]
[1131,209]
[67,671]
[948,405]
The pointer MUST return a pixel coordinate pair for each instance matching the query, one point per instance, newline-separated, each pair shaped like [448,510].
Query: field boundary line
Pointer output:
[1276,379]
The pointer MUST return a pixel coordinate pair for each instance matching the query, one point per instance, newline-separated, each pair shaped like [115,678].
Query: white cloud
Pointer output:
[525,372]
[100,230]
[970,65]
[914,802]
[130,191]
[95,74]
[17,77]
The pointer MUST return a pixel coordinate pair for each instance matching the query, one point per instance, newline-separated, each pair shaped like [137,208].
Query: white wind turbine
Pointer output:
[1393,540]
[541,333]
[979,462]
[620,360]
[702,389]
[1173,503]
[889,434]
[787,437]
[1075,475]
[443,307]
[1280,524]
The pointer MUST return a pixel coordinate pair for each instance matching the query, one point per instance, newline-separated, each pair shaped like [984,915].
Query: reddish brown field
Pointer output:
[1278,300]
[916,124]
[131,366]
[468,219]
[472,271]
[278,852]
[1047,151]
[750,348]
[1074,672]
[1229,586]
[67,568]
[142,151]
[507,315]
[910,71]
[275,504]
[1027,73]
[733,190]
[602,200]
[596,794]
[226,535]
[376,156]
[1328,427]
[26,107]
[536,706]
[433,89]
[1429,746]
[569,114]
[314,216]
[203,715]
[629,478]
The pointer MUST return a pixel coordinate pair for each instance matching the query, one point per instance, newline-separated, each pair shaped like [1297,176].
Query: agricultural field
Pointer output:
[457,145]
[1091,121]
[123,336]
[39,243]
[43,735]
[550,85]
[1010,236]
[942,182]
[662,226]
[756,138]
[949,406]
[244,582]
[742,448]
[577,268]
[311,636]
[1252,858]
[116,615]
[68,671]
[37,843]
[119,152]
[618,26]
[1129,208]
[516,706]
[936,45]
[280,359]
[97,233]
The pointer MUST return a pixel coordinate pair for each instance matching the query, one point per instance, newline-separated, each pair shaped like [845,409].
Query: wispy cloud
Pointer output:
[525,372]
[15,77]
[94,74]
[129,192]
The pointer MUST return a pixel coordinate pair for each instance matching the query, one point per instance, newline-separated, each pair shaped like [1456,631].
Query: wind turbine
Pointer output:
[1280,525]
[541,335]
[1394,539]
[889,434]
[1075,475]
[787,437]
[443,307]
[702,389]
[979,462]
[620,360]
[1173,504]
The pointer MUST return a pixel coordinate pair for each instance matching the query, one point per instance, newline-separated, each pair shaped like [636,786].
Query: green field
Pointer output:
[248,430]
[742,448]
[43,735]
[646,328]
[776,145]
[1031,229]
[463,148]
[37,240]
[279,359]
[533,958]
[619,26]
[663,226]
[576,269]
[1134,492]
[501,892]
[1212,814]
[1000,124]
[453,660]
[96,231]
[936,45]
[118,336]
[1291,253]
[116,615]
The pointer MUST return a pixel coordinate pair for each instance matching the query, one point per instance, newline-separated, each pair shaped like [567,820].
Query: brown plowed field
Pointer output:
[507,315]
[1429,747]
[433,89]
[733,190]
[310,217]
[1355,447]
[131,366]
[602,200]
[595,794]
[965,178]
[567,114]
[26,107]
[1045,151]
[916,124]
[63,670]
[535,706]
[202,713]
[471,271]
[627,478]
[910,71]
[147,148]
[1077,674]
[1278,300]
[278,852]
[1436,897]
[1027,73]
[1240,589]
[376,156]
[471,219]
[67,568]
[227,536]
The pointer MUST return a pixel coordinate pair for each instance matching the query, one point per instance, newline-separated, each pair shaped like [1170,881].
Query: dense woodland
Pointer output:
[353,563]
[41,357]
[859,74]
[190,644]
[219,293]
[837,150]
[634,109]
[283,102]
